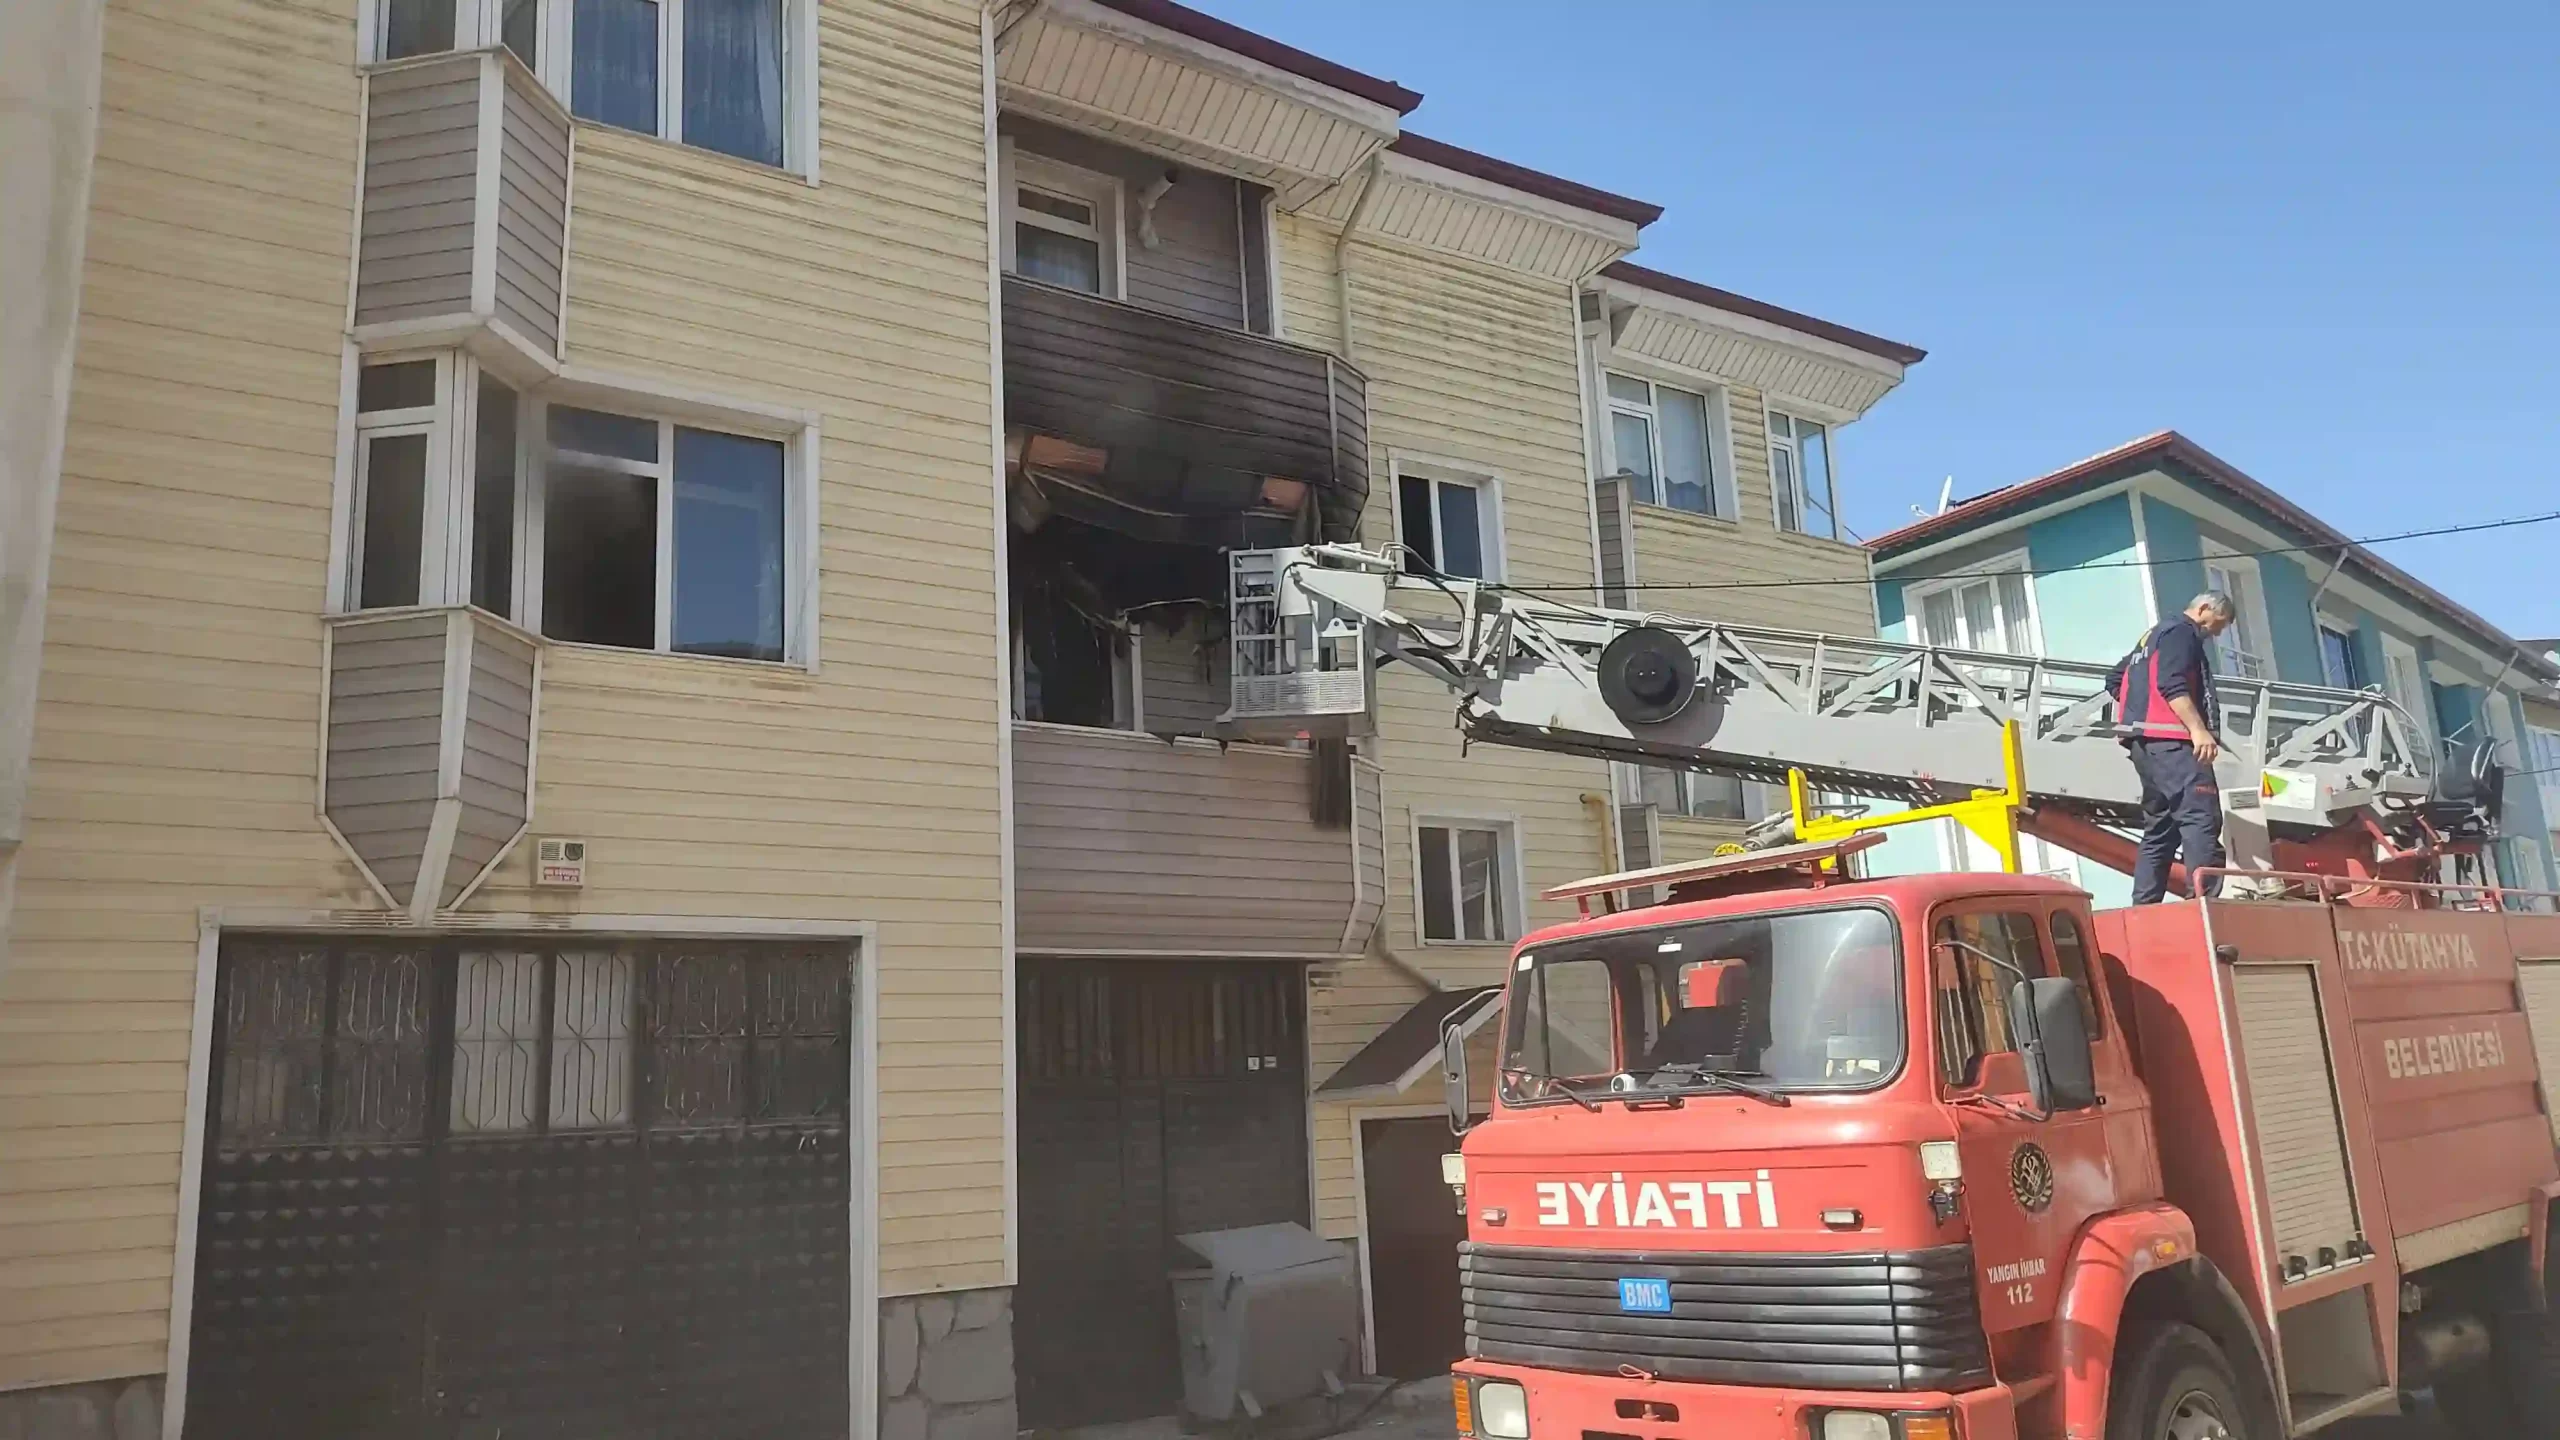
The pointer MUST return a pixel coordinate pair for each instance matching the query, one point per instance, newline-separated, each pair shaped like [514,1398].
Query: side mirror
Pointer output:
[1453,1079]
[2053,1039]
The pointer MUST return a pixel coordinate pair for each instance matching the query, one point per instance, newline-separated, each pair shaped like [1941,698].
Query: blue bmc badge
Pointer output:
[1640,1295]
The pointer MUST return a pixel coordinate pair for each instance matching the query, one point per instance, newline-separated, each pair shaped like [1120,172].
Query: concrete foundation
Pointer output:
[946,1367]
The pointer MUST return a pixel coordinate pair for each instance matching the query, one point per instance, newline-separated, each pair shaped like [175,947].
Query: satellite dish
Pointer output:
[1647,675]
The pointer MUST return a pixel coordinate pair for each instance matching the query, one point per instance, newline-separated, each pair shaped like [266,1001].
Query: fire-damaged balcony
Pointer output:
[1178,431]
[1142,447]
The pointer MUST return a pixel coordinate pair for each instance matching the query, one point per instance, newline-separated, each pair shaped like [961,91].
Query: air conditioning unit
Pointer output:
[1297,660]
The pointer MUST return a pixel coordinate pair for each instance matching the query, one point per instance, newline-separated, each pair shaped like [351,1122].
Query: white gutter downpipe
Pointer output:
[1342,251]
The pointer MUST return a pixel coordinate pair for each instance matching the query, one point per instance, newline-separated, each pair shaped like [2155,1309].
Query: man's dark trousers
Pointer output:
[2181,811]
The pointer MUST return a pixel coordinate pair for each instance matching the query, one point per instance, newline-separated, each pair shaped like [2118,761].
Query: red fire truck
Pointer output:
[1781,1153]
[1794,1155]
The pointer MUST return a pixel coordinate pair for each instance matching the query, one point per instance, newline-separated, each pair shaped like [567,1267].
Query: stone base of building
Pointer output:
[946,1367]
[96,1410]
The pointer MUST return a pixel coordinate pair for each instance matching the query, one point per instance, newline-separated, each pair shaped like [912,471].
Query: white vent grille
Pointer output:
[2301,1142]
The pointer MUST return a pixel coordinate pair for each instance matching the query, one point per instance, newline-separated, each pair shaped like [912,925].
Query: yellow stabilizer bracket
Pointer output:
[1990,814]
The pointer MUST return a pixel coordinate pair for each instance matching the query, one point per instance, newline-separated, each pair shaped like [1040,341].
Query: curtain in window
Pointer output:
[613,77]
[729,566]
[733,77]
[1688,466]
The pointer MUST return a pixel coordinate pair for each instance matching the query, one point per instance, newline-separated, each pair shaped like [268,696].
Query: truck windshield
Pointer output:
[1803,1001]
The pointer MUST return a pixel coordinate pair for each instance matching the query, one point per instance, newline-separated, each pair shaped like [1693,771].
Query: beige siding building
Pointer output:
[627,752]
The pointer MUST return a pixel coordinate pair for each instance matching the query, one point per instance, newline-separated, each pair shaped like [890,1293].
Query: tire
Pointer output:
[2175,1385]
[2524,1367]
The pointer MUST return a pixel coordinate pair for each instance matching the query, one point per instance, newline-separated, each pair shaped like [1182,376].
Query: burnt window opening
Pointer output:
[1075,666]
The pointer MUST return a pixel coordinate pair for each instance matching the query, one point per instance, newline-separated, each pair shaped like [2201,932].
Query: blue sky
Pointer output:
[2321,241]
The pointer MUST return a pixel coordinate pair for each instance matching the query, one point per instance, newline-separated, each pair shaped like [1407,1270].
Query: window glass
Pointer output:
[2338,659]
[1414,525]
[592,432]
[1688,467]
[1068,260]
[1567,1021]
[493,502]
[1805,1001]
[613,76]
[729,545]
[408,385]
[1461,531]
[733,77]
[416,27]
[1465,884]
[395,499]
[1972,992]
[1630,389]
[600,559]
[1439,886]
[2071,951]
[1480,884]
[1782,472]
[520,30]
[1632,435]
[1813,468]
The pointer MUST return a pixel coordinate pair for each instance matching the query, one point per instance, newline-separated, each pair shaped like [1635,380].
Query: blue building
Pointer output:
[2078,564]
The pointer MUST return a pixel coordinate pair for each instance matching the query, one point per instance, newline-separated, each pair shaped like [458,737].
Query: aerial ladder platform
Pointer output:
[2313,780]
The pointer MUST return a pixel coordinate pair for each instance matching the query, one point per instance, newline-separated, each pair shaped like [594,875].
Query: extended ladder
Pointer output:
[1918,724]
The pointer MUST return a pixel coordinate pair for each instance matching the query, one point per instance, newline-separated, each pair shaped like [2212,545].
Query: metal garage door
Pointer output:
[1158,1099]
[526,1189]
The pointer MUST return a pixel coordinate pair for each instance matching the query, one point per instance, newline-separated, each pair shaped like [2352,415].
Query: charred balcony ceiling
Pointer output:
[1177,432]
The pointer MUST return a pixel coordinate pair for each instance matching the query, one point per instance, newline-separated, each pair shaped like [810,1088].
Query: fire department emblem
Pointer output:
[2031,1178]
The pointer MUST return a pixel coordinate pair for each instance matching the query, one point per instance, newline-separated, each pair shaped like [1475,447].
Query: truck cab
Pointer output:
[1795,1163]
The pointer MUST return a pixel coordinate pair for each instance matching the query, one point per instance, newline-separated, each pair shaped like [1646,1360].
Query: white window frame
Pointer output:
[1779,495]
[1488,489]
[1723,494]
[1507,851]
[445,486]
[2242,579]
[478,24]
[799,514]
[1981,572]
[1018,169]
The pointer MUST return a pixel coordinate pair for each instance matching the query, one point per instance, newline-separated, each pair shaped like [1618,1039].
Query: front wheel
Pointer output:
[2177,1386]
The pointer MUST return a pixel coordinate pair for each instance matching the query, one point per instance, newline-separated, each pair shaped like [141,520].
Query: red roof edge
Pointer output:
[1209,29]
[1661,282]
[2170,447]
[1525,180]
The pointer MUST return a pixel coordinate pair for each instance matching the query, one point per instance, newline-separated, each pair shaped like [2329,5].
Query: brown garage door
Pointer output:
[525,1189]
[1157,1099]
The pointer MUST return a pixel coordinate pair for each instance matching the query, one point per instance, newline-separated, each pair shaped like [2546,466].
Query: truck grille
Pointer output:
[1898,1321]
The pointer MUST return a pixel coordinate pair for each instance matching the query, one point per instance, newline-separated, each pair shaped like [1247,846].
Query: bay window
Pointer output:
[600,527]
[733,76]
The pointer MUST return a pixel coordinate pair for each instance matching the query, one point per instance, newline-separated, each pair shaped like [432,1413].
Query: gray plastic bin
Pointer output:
[1273,1316]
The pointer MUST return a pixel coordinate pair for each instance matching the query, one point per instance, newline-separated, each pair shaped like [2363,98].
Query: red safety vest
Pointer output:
[2142,712]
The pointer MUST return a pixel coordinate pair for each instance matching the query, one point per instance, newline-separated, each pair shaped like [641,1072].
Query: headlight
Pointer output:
[1856,1425]
[1502,1411]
